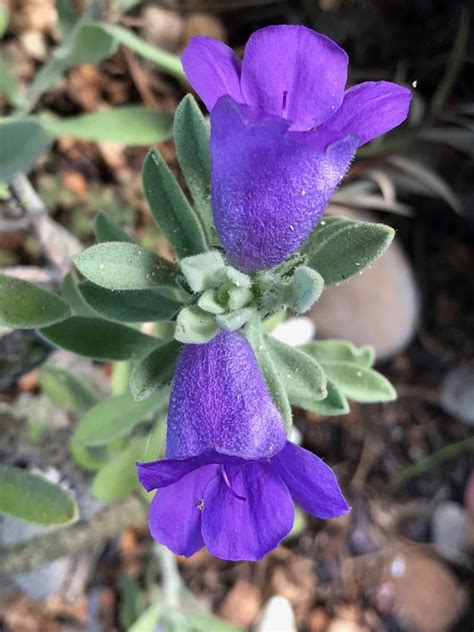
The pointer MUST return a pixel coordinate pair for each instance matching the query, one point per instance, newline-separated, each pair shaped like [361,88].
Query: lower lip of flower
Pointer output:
[228,483]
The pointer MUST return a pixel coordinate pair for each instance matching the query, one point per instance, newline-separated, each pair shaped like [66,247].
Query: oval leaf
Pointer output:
[123,266]
[340,249]
[334,403]
[32,498]
[66,389]
[129,306]
[26,306]
[21,142]
[107,230]
[170,208]
[360,383]
[132,125]
[99,339]
[116,417]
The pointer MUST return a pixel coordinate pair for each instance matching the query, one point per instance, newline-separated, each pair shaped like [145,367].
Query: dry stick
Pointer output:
[24,556]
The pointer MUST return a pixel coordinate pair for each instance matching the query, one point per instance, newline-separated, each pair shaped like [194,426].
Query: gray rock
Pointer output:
[457,394]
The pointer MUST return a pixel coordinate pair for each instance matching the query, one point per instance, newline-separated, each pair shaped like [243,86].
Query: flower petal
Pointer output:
[294,73]
[311,482]
[368,110]
[269,186]
[168,471]
[175,512]
[213,70]
[219,401]
[236,529]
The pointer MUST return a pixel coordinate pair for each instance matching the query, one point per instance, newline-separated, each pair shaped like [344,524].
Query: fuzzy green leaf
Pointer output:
[116,417]
[34,499]
[209,302]
[155,370]
[73,297]
[195,326]
[107,230]
[200,270]
[129,306]
[170,208]
[339,248]
[340,351]
[123,266]
[236,319]
[303,378]
[254,333]
[334,403]
[66,389]
[191,133]
[303,290]
[26,306]
[99,339]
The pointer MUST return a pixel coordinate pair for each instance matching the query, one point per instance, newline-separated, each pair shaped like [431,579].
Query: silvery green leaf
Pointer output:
[209,302]
[340,350]
[155,370]
[302,376]
[129,306]
[170,208]
[238,297]
[99,339]
[191,133]
[254,333]
[340,248]
[73,297]
[303,290]
[195,326]
[233,276]
[235,320]
[22,142]
[200,270]
[23,305]
[123,266]
[334,403]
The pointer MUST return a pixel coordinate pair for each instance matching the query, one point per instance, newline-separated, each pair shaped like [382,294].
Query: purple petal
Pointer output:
[175,512]
[219,401]
[168,471]
[269,186]
[311,482]
[368,110]
[236,529]
[213,70]
[294,73]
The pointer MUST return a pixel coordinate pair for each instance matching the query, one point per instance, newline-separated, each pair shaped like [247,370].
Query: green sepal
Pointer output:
[155,370]
[107,230]
[129,306]
[254,333]
[200,270]
[340,248]
[302,376]
[209,302]
[99,339]
[236,319]
[195,326]
[170,208]
[124,266]
[238,297]
[24,305]
[191,134]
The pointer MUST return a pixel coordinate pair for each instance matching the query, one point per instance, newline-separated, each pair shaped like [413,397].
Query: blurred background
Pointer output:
[402,560]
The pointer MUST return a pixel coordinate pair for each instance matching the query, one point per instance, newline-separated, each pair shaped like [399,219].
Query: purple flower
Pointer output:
[283,133]
[230,477]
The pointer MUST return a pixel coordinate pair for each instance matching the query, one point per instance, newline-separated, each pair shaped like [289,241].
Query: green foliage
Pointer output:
[236,319]
[335,403]
[116,417]
[118,477]
[200,270]
[26,306]
[129,306]
[106,229]
[73,297]
[302,376]
[296,292]
[66,389]
[99,339]
[254,333]
[30,497]
[9,87]
[124,266]
[155,370]
[349,369]
[21,142]
[195,326]
[131,124]
[191,133]
[340,248]
[170,208]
